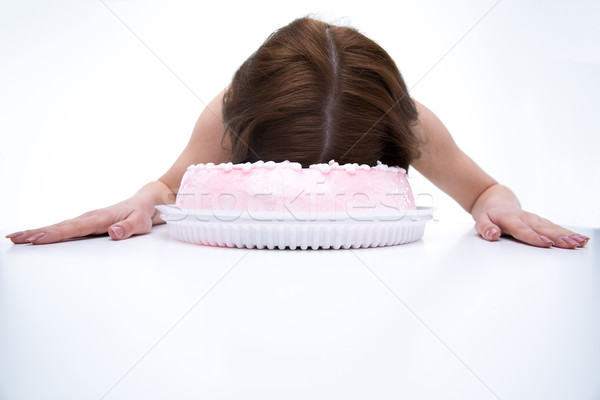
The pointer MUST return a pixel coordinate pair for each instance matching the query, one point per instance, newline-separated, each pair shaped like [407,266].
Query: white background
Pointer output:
[88,114]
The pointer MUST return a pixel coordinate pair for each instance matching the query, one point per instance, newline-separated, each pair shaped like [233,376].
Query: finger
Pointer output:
[33,234]
[77,227]
[19,237]
[523,232]
[562,237]
[487,229]
[136,223]
[572,241]
[50,233]
[581,239]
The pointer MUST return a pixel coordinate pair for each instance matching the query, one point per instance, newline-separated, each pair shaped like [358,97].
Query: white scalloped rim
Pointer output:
[324,168]
[214,228]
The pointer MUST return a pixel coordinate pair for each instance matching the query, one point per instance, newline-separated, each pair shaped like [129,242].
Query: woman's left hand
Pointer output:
[527,227]
[494,207]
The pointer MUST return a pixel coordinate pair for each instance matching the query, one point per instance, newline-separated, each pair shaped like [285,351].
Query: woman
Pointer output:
[311,93]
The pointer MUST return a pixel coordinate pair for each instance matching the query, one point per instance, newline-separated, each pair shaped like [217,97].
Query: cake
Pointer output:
[280,204]
[287,188]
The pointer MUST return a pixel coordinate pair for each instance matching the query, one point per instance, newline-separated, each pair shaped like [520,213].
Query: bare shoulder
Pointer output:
[208,143]
[433,134]
[209,127]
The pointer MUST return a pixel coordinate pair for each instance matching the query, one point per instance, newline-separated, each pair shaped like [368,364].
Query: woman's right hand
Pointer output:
[122,220]
[134,215]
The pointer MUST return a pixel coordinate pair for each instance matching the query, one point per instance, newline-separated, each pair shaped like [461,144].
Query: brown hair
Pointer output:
[315,92]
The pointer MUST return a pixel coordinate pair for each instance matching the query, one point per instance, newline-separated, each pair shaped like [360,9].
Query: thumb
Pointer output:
[136,223]
[487,229]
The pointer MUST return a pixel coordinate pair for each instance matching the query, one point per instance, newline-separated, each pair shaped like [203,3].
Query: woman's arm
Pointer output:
[494,207]
[204,145]
[136,214]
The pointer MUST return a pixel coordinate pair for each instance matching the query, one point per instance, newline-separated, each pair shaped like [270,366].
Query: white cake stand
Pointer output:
[325,230]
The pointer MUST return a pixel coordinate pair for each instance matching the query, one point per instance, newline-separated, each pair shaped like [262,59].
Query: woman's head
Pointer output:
[315,92]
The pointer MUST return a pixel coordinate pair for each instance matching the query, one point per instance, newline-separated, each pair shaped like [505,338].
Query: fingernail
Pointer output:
[13,235]
[546,240]
[35,237]
[117,232]
[490,233]
[581,241]
[569,241]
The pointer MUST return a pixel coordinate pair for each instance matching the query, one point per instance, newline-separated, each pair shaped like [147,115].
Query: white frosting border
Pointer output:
[350,168]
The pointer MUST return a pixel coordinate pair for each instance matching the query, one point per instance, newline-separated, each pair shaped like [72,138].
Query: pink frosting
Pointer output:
[274,186]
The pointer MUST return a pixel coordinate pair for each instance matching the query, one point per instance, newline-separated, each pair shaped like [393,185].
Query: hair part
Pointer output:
[315,92]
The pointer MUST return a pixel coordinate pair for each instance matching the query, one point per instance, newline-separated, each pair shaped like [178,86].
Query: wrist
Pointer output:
[156,192]
[148,196]
[495,196]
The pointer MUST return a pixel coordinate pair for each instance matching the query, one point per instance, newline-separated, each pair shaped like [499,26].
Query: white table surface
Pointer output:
[448,317]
